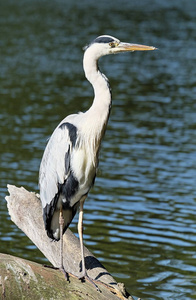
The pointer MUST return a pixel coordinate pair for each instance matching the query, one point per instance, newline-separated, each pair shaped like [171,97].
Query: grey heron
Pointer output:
[70,160]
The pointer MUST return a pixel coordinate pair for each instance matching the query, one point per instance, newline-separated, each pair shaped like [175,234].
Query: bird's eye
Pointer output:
[112,44]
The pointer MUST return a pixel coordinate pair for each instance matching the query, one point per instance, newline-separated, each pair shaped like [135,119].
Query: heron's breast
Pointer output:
[84,165]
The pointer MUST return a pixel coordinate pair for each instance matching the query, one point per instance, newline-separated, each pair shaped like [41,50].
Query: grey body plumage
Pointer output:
[58,181]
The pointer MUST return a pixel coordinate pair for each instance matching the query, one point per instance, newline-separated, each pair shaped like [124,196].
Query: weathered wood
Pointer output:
[26,212]
[22,279]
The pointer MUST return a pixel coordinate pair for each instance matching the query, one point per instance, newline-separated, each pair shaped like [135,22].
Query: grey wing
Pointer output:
[56,179]
[55,164]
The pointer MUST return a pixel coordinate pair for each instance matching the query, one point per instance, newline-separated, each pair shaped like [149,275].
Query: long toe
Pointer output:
[65,273]
[85,276]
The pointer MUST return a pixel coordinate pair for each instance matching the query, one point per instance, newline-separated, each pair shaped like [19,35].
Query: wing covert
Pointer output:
[55,164]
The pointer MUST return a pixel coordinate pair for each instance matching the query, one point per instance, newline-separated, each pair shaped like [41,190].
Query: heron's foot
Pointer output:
[85,276]
[65,273]
[61,269]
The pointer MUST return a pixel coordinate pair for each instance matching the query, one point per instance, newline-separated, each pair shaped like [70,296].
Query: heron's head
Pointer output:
[106,44]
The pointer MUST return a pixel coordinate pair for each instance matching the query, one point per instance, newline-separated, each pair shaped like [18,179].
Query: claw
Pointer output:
[65,274]
[86,277]
[60,269]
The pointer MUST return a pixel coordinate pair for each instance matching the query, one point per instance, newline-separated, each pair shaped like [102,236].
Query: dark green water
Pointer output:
[140,216]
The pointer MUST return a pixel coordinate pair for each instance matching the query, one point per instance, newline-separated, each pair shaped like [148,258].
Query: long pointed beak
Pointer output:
[124,47]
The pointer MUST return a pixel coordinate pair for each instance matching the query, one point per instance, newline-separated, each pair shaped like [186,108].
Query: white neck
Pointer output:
[95,119]
[102,98]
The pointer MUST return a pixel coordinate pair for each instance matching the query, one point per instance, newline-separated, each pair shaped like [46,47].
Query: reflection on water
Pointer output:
[140,215]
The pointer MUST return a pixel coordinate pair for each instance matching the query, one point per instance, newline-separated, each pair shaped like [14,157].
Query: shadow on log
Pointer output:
[26,212]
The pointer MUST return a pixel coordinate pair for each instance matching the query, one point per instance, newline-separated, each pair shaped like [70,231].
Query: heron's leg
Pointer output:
[61,224]
[80,232]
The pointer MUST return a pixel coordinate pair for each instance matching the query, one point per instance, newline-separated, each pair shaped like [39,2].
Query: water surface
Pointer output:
[140,215]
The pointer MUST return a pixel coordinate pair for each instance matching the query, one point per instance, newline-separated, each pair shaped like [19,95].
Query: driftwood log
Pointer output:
[25,210]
